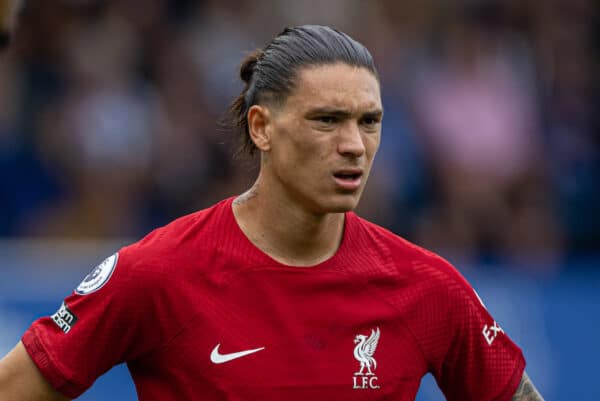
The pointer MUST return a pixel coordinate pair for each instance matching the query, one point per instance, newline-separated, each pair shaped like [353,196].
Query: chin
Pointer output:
[341,209]
[340,204]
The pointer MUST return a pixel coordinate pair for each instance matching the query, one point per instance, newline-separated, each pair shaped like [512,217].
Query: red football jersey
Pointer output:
[199,313]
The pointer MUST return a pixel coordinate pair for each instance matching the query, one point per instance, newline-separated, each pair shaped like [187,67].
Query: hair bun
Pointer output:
[247,66]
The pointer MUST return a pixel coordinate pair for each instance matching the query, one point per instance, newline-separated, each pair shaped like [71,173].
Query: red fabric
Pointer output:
[199,282]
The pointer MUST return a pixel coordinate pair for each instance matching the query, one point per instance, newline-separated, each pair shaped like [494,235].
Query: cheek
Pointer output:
[372,142]
[301,146]
[289,154]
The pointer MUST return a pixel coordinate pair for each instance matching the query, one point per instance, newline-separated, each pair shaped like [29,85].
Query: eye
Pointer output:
[327,119]
[370,122]
[325,122]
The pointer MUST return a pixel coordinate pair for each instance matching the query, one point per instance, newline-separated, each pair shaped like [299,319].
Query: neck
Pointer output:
[285,230]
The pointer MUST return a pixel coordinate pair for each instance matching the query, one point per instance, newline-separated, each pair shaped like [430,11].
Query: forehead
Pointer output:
[336,86]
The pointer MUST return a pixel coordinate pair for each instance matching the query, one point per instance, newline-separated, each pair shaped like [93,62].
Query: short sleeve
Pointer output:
[471,356]
[107,320]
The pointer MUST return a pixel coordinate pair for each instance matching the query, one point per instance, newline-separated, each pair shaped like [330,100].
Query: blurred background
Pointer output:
[490,152]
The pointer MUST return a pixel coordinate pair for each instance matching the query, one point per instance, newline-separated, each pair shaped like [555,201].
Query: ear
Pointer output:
[259,119]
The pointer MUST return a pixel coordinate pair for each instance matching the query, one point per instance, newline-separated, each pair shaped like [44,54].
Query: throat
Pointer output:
[289,238]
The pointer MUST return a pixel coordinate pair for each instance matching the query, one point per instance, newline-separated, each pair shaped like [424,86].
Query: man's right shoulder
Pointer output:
[192,236]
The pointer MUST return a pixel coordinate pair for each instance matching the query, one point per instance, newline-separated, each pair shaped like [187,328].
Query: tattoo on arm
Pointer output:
[527,391]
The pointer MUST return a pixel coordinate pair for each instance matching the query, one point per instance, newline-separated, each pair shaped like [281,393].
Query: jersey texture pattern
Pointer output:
[199,313]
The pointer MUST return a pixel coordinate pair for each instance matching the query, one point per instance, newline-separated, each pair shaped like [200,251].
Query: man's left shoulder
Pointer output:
[421,261]
[399,246]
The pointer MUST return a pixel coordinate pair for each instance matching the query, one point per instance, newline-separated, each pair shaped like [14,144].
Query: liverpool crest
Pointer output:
[363,353]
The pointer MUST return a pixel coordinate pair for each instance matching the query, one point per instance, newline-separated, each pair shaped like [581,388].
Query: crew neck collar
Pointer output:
[248,246]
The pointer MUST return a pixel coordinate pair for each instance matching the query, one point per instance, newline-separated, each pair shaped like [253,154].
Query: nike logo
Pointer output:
[217,357]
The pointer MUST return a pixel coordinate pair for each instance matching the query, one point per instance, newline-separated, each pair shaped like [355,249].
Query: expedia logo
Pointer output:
[64,318]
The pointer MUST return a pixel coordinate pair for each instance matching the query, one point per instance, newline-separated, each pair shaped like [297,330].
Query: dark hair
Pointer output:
[270,74]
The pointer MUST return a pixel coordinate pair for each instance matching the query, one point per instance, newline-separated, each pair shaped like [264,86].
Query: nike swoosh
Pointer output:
[216,357]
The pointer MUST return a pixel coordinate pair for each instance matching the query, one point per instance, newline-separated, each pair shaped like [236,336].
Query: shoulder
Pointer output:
[186,229]
[188,239]
[159,268]
[424,267]
[400,248]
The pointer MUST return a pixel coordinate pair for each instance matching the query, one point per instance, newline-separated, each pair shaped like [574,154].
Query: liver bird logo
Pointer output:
[364,350]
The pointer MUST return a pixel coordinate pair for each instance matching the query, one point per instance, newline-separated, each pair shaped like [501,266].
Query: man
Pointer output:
[281,293]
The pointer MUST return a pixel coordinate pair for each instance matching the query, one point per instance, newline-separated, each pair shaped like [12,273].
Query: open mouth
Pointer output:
[348,180]
[347,176]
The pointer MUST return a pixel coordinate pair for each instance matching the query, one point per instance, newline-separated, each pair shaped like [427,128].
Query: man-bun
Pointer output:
[248,65]
[238,109]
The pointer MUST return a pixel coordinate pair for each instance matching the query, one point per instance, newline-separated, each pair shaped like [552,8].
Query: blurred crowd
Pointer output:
[109,116]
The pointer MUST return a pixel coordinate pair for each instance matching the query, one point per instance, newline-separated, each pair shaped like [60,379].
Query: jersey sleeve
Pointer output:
[107,320]
[470,355]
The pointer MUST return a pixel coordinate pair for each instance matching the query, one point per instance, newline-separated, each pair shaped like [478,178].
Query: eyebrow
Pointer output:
[342,113]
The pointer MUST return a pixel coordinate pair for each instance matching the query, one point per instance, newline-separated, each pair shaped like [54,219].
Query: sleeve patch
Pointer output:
[98,277]
[64,318]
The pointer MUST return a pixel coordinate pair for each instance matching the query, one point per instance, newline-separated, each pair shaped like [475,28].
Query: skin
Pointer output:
[331,121]
[527,391]
[20,379]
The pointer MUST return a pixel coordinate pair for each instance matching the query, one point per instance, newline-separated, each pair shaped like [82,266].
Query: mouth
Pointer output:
[348,179]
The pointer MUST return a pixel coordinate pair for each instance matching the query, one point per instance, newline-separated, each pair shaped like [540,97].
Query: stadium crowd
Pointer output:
[109,117]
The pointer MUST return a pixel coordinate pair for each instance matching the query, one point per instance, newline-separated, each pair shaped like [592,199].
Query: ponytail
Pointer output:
[238,109]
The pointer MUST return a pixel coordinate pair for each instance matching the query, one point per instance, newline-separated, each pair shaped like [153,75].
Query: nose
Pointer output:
[351,141]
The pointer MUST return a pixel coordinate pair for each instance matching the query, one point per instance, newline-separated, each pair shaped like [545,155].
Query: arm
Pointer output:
[20,379]
[527,391]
